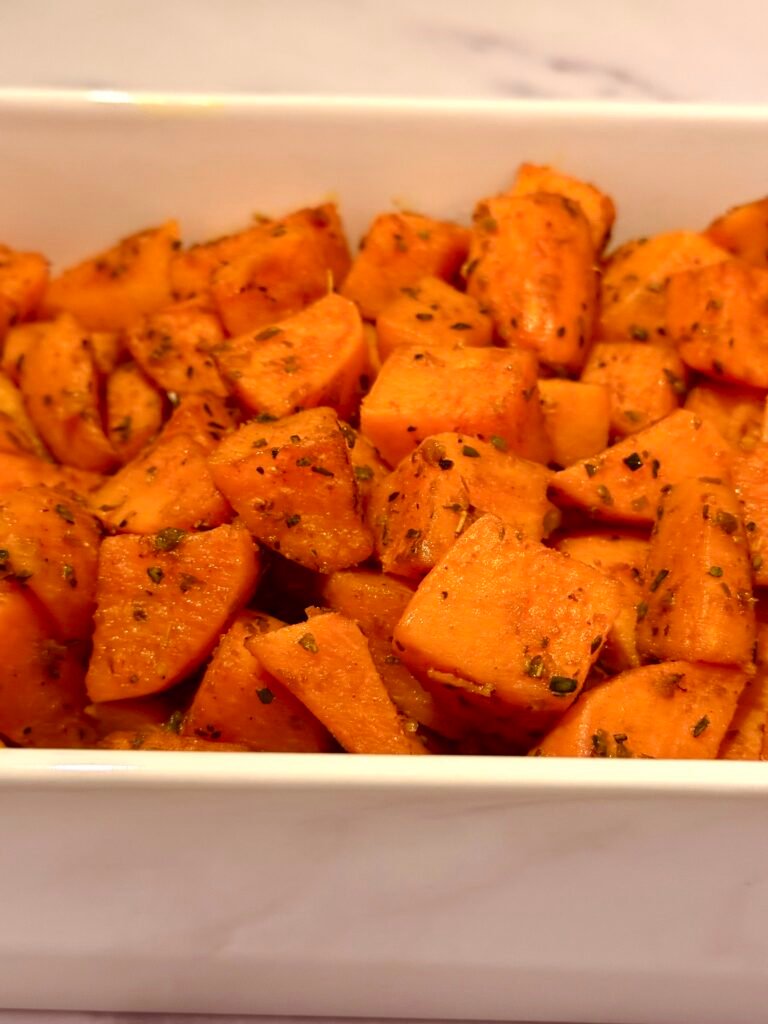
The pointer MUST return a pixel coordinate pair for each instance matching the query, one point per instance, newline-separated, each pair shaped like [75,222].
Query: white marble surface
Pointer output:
[663,50]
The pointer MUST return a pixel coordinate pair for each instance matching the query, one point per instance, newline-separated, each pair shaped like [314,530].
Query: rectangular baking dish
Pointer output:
[490,888]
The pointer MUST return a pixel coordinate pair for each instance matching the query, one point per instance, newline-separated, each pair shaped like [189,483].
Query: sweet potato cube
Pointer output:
[293,484]
[750,479]
[108,349]
[484,392]
[737,413]
[367,465]
[132,715]
[746,733]
[17,431]
[51,544]
[168,484]
[18,342]
[399,249]
[596,206]
[134,411]
[111,290]
[204,417]
[532,264]
[60,388]
[162,604]
[154,737]
[718,317]
[42,695]
[439,490]
[673,710]
[192,269]
[174,348]
[743,231]
[624,482]
[510,618]
[576,418]
[635,278]
[432,312]
[23,280]
[326,664]
[644,382]
[239,702]
[21,470]
[316,357]
[697,600]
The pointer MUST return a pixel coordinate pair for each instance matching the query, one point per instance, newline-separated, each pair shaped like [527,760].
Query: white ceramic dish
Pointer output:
[469,888]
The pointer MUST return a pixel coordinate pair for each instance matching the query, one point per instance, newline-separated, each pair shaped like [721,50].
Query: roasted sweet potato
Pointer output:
[18,341]
[673,710]
[192,270]
[27,470]
[326,664]
[697,600]
[483,392]
[134,411]
[596,206]
[718,317]
[59,384]
[41,680]
[743,231]
[154,737]
[399,249]
[204,417]
[532,264]
[23,279]
[108,350]
[316,357]
[432,312]
[623,483]
[736,412]
[644,382]
[293,484]
[132,715]
[367,465]
[17,432]
[635,278]
[239,702]
[438,491]
[507,617]
[51,544]
[746,733]
[169,484]
[576,418]
[109,291]
[162,604]
[750,478]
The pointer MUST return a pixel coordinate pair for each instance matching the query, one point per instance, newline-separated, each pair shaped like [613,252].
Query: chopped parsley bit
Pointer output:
[534,667]
[659,578]
[642,610]
[424,316]
[655,467]
[267,333]
[308,642]
[265,695]
[322,471]
[751,526]
[595,645]
[155,573]
[600,743]
[705,511]
[363,473]
[633,462]
[715,570]
[293,520]
[391,659]
[561,685]
[499,442]
[169,538]
[700,726]
[727,522]
[676,383]
[412,533]
[187,581]
[470,452]
[304,461]
[261,443]
[123,429]
[633,416]
[445,463]
[175,722]
[461,326]
[638,333]
[139,614]
[393,496]
[68,573]
[590,468]
[265,417]
[65,512]
[294,439]
[604,495]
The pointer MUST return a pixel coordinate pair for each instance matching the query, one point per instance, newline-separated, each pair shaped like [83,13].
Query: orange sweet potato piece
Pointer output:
[698,587]
[134,411]
[718,317]
[376,602]
[293,484]
[111,290]
[162,604]
[439,490]
[18,341]
[532,264]
[399,249]
[19,470]
[41,682]
[108,349]
[326,664]
[239,702]
[314,358]
[743,231]
[432,312]
[153,737]
[426,390]
[644,382]
[673,710]
[504,617]
[132,715]
[596,206]
[367,465]
[52,545]
[17,432]
[59,384]
[746,733]
[576,418]
[204,417]
[737,413]
[174,348]
[750,478]
[635,278]
[23,280]
[168,484]
[623,483]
